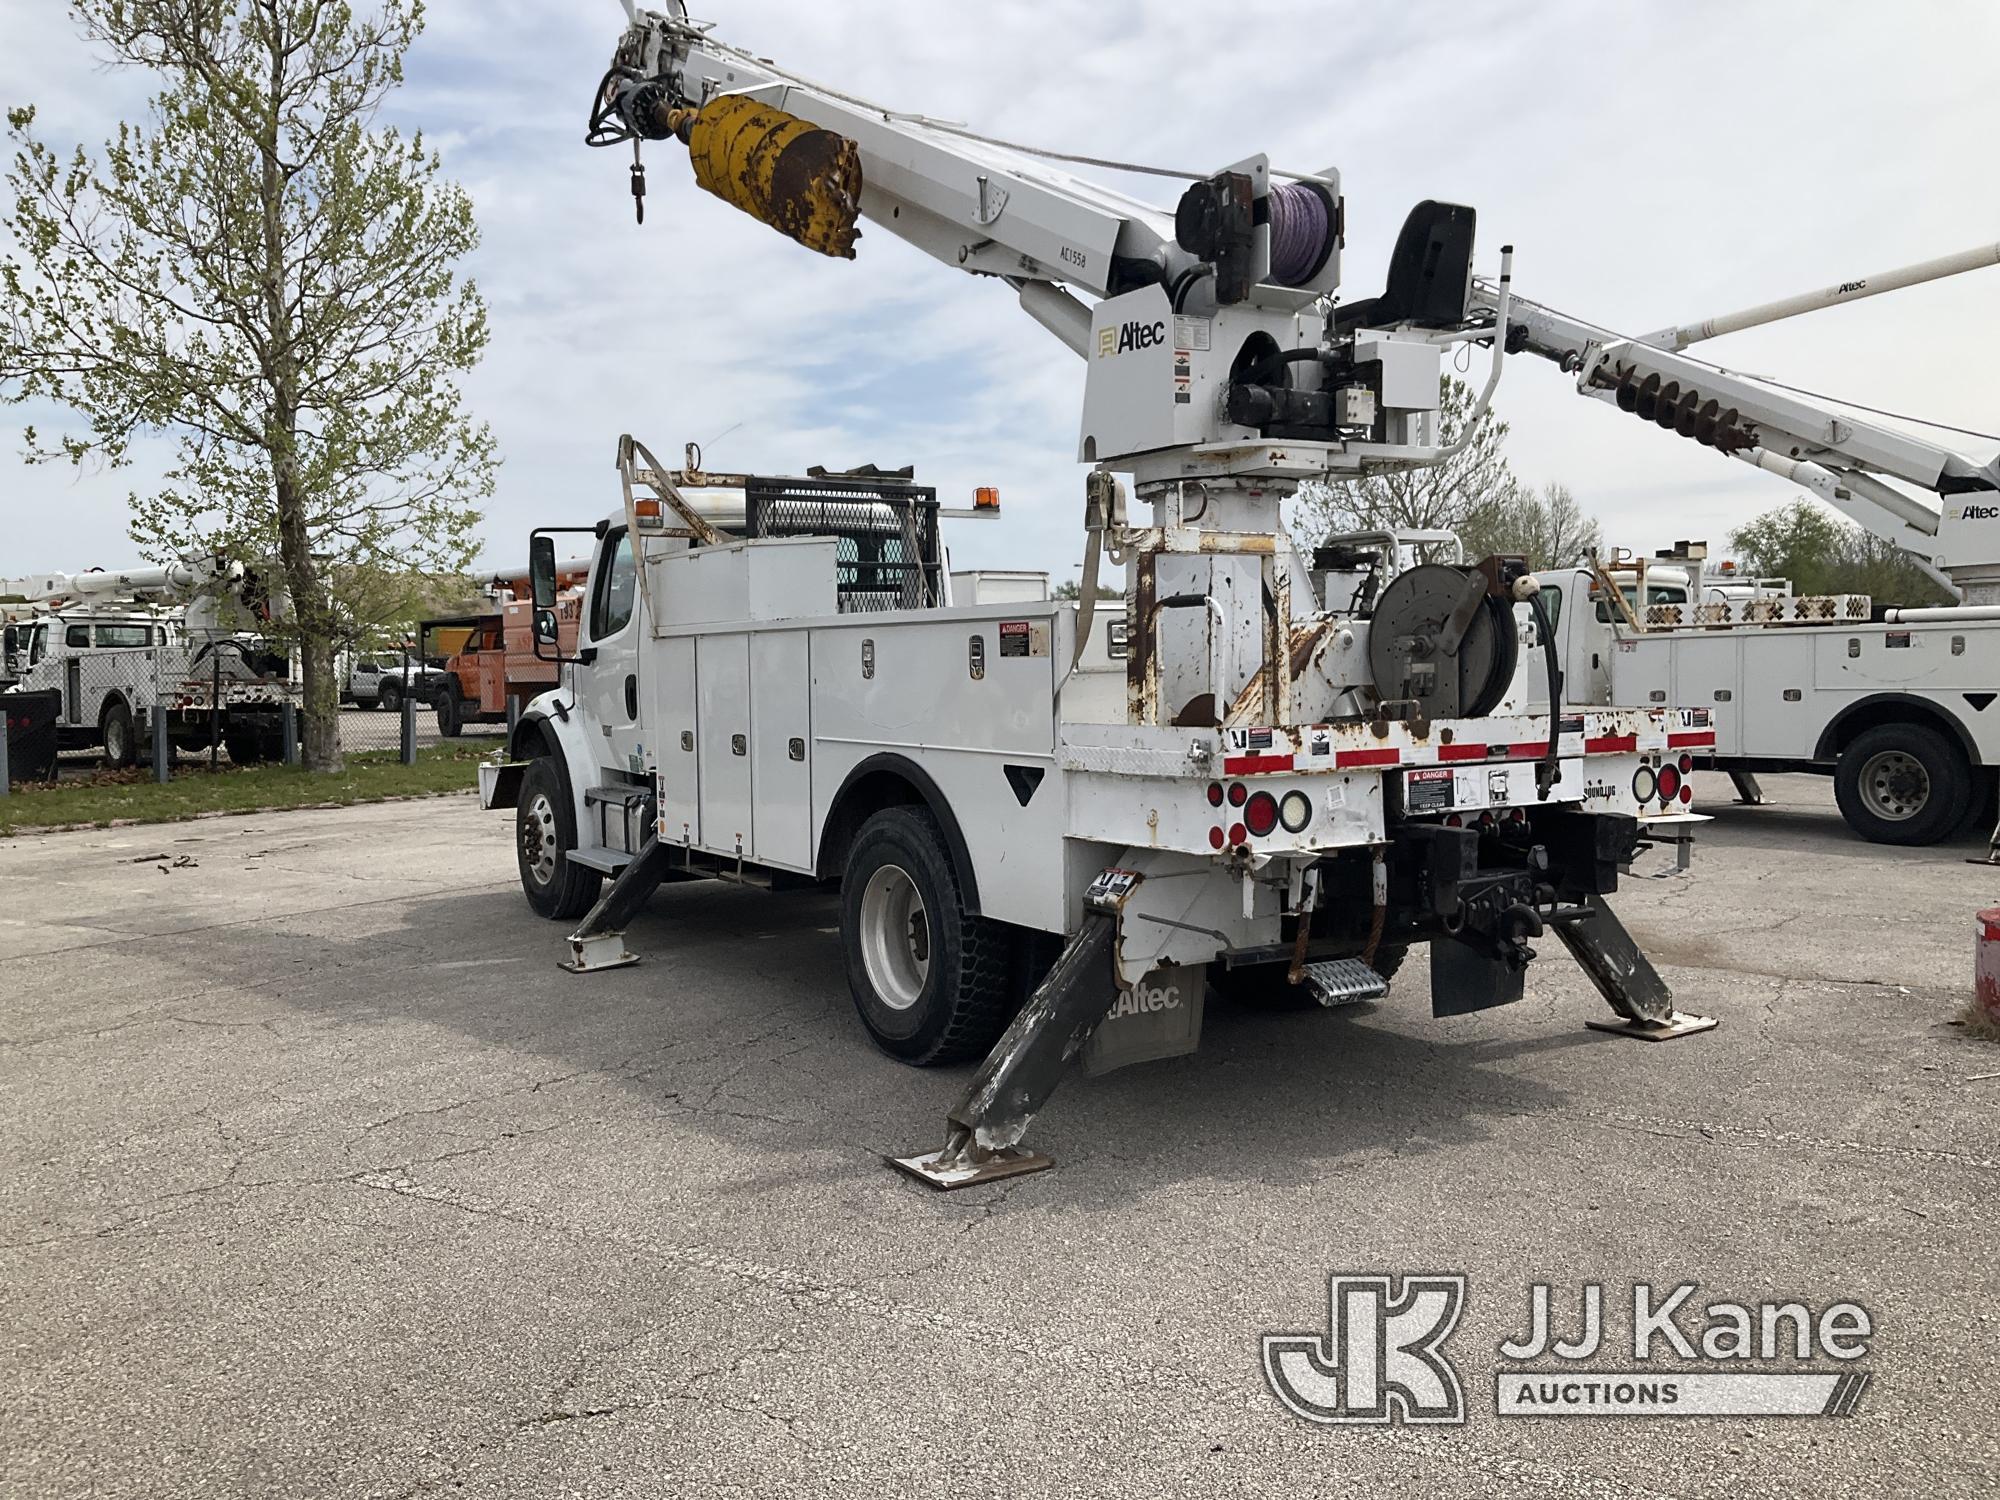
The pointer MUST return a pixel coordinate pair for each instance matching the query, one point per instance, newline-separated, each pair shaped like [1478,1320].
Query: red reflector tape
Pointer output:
[1525,752]
[1388,757]
[1254,765]
[1691,741]
[1606,744]
[1461,752]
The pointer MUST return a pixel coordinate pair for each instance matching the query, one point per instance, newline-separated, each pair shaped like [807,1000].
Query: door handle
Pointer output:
[632,696]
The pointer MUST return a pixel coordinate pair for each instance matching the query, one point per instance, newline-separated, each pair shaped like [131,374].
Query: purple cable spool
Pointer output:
[1301,232]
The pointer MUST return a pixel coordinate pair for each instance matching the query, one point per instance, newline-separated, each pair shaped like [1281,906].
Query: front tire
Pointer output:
[120,744]
[390,698]
[930,979]
[544,833]
[1902,784]
[451,713]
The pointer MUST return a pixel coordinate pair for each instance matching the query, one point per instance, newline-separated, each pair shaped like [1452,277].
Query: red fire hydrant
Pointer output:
[1986,966]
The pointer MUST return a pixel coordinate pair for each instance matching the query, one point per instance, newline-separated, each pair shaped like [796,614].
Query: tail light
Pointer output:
[1215,794]
[1670,783]
[1260,814]
[1237,793]
[1295,811]
[1686,763]
[1645,786]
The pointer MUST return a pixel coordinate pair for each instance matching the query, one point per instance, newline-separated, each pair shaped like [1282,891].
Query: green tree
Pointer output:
[1822,554]
[263,273]
[1800,541]
[1549,529]
[1444,496]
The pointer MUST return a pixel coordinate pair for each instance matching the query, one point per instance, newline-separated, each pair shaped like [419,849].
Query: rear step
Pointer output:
[1343,981]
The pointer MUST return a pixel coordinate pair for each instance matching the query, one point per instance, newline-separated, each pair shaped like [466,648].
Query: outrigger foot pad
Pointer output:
[956,1167]
[603,950]
[1678,1023]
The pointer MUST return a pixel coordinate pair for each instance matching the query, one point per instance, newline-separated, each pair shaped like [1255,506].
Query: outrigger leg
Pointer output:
[1625,977]
[599,940]
[984,1130]
[1748,792]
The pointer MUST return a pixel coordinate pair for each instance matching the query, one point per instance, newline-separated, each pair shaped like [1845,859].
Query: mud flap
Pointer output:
[1464,980]
[1024,1067]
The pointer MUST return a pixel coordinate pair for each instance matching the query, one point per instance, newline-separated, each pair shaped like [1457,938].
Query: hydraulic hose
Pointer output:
[1550,766]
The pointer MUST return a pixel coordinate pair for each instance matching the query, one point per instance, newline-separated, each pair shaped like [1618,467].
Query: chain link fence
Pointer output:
[87,699]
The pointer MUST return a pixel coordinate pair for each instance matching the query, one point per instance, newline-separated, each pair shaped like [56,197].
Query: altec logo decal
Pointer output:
[1143,999]
[1128,336]
[1978,512]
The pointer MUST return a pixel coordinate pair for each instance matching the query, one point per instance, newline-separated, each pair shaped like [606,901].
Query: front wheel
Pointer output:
[929,978]
[120,744]
[1902,784]
[390,698]
[451,713]
[544,834]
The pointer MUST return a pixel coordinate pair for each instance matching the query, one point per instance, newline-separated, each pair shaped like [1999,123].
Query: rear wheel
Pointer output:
[544,834]
[929,978]
[1902,784]
[247,745]
[120,743]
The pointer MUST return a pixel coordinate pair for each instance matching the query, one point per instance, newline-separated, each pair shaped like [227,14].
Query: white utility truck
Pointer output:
[181,642]
[1895,702]
[1892,702]
[1302,766]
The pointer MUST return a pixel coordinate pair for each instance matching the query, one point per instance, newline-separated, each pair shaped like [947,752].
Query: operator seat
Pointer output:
[1430,273]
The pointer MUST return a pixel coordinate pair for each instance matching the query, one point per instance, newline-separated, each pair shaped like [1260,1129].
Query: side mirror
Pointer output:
[545,625]
[542,579]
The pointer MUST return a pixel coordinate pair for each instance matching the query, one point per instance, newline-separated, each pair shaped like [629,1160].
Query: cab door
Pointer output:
[608,683]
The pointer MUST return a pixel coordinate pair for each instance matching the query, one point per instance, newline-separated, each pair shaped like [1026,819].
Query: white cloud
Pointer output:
[1649,164]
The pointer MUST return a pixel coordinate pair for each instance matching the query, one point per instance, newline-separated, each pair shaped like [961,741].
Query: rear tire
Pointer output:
[247,747]
[120,744]
[930,980]
[1902,784]
[544,833]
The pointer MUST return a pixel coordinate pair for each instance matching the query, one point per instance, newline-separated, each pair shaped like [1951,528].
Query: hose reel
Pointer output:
[1444,641]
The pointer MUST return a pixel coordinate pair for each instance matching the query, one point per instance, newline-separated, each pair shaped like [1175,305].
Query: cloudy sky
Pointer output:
[1650,163]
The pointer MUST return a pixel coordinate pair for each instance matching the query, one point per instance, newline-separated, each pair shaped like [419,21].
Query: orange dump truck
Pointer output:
[489,658]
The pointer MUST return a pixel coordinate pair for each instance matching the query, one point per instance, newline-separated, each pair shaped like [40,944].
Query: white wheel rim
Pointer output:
[538,839]
[895,937]
[1895,785]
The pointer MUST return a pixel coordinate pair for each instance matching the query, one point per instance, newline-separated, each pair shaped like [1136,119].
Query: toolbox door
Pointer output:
[781,747]
[722,736]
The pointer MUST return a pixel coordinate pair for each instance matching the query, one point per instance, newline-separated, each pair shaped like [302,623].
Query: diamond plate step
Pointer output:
[1343,981]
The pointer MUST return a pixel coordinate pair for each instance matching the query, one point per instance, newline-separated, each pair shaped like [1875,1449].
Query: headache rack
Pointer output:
[887,531]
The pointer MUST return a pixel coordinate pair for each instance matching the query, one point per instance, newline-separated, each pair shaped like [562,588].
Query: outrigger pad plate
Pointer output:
[1679,1024]
[1011,1161]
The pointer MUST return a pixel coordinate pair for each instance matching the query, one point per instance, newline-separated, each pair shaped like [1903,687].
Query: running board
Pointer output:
[1342,981]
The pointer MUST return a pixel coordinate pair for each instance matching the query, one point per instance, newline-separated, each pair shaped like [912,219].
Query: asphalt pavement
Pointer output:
[317,1177]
